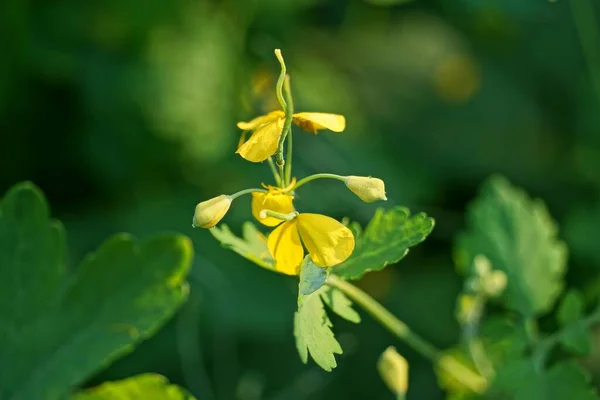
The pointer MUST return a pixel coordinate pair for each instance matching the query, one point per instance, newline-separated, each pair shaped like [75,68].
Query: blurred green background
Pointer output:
[124,112]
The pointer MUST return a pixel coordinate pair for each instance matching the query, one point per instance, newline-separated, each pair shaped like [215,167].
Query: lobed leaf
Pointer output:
[312,329]
[145,386]
[312,277]
[57,327]
[252,245]
[385,240]
[518,236]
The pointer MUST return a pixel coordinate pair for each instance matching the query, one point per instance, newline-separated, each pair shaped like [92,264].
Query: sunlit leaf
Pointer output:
[312,329]
[385,241]
[252,245]
[59,326]
[518,236]
[339,304]
[145,386]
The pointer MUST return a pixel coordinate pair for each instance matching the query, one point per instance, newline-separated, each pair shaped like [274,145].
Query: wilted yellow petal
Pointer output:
[281,203]
[263,142]
[258,121]
[312,122]
[328,241]
[285,247]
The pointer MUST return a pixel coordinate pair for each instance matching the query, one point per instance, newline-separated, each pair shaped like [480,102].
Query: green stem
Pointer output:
[279,85]
[318,176]
[475,346]
[274,171]
[287,127]
[544,346]
[587,28]
[449,364]
[245,191]
[288,162]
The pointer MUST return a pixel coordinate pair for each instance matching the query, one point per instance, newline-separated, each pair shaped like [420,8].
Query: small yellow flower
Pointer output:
[328,242]
[267,130]
[366,188]
[210,212]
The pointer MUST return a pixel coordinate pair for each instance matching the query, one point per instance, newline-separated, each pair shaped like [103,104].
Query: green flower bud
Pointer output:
[366,188]
[210,212]
[393,369]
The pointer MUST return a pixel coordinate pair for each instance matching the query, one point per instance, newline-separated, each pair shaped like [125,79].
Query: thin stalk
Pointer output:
[288,162]
[475,346]
[449,364]
[274,171]
[287,127]
[587,28]
[318,176]
[245,191]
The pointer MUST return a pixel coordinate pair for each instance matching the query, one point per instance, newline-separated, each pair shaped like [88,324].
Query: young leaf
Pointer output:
[59,327]
[339,304]
[385,241]
[252,245]
[570,308]
[145,386]
[312,277]
[577,338]
[312,329]
[566,380]
[518,236]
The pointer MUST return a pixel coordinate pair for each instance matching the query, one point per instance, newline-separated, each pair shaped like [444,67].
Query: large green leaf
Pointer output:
[312,329]
[566,380]
[140,387]
[312,277]
[59,326]
[385,241]
[518,236]
[576,336]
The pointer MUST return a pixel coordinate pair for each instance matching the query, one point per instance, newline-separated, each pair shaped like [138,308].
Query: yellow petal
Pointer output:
[263,142]
[312,122]
[328,241]
[258,121]
[281,203]
[285,247]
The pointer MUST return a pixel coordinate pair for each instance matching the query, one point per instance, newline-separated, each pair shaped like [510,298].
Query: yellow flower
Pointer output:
[210,212]
[328,242]
[267,130]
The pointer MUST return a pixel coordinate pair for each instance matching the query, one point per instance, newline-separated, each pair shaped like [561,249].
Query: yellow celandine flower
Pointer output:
[267,130]
[328,241]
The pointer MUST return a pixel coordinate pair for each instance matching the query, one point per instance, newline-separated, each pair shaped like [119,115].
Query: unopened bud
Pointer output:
[495,283]
[393,369]
[366,188]
[210,212]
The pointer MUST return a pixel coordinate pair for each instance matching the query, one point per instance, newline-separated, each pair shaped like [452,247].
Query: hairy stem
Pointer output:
[399,329]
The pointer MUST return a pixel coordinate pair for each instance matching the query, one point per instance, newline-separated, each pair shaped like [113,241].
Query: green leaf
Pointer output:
[570,308]
[339,304]
[518,236]
[566,380]
[312,329]
[252,245]
[145,386]
[59,326]
[577,338]
[312,277]
[385,241]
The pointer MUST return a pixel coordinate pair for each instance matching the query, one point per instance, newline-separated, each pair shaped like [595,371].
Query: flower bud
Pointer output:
[366,188]
[393,369]
[210,212]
